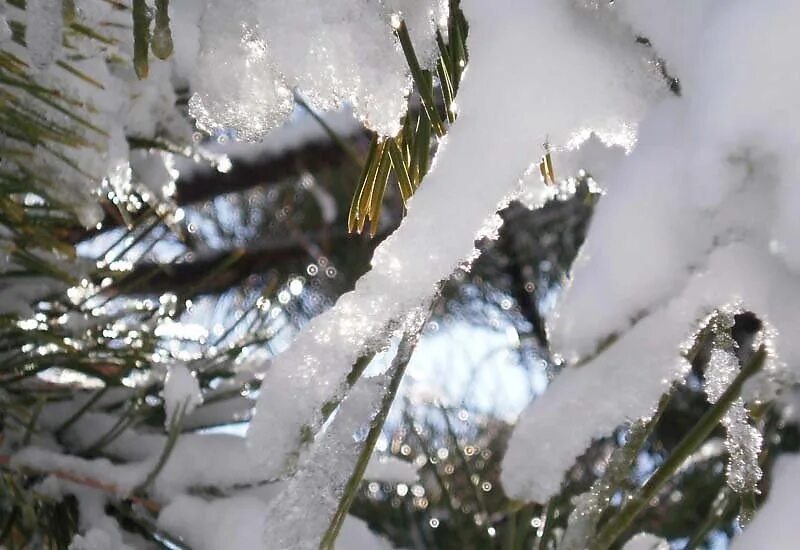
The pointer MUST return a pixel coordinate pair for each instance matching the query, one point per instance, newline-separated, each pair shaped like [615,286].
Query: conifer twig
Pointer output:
[398,369]
[141,38]
[425,91]
[617,525]
[92,483]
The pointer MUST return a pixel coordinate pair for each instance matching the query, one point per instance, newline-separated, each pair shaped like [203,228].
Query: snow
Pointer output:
[17,298]
[646,541]
[43,34]
[423,18]
[101,531]
[494,141]
[300,515]
[356,534]
[775,524]
[627,379]
[700,215]
[662,22]
[123,478]
[105,105]
[390,469]
[96,529]
[235,84]
[339,51]
[253,54]
[181,391]
[5,30]
[135,454]
[156,171]
[231,523]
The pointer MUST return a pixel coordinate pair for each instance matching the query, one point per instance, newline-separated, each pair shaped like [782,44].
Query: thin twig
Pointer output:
[631,510]
[398,369]
[109,488]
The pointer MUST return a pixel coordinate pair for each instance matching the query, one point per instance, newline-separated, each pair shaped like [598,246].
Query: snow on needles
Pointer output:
[702,213]
[253,53]
[181,391]
[510,103]
[104,106]
[44,33]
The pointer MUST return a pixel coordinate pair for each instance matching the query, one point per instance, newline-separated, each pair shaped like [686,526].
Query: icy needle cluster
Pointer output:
[255,53]
[702,212]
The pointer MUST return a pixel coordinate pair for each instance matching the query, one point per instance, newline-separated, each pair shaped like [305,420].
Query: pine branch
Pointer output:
[182,278]
[397,370]
[108,488]
[617,525]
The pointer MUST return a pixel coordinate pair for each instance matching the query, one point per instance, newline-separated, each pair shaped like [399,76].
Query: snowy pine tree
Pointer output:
[231,227]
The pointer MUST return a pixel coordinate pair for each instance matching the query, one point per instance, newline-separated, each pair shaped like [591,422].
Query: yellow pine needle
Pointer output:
[546,168]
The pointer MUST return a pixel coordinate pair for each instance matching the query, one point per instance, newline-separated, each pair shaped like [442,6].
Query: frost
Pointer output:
[744,445]
[743,441]
[723,366]
[583,519]
[590,506]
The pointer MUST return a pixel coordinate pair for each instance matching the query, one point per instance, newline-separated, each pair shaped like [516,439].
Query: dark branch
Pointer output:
[271,169]
[268,170]
[220,271]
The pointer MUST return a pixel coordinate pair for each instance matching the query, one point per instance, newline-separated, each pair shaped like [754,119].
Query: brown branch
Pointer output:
[220,271]
[203,276]
[269,170]
[109,488]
